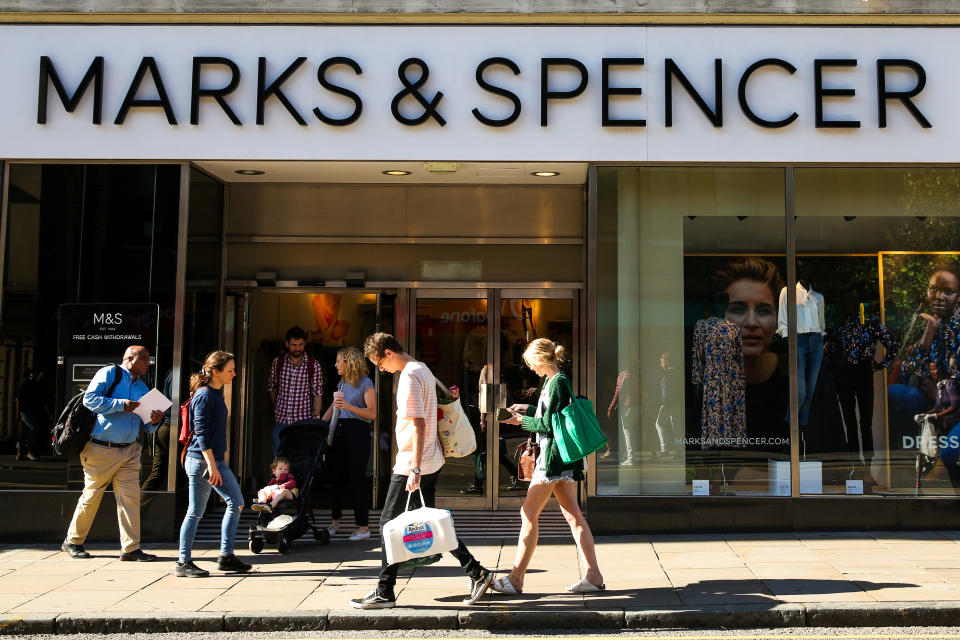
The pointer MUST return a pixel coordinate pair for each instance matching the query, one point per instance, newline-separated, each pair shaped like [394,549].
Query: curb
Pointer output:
[840,614]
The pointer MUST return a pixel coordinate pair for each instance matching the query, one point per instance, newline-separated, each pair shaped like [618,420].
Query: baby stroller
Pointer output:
[304,445]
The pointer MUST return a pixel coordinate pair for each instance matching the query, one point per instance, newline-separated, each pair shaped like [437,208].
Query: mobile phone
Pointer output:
[206,473]
[503,414]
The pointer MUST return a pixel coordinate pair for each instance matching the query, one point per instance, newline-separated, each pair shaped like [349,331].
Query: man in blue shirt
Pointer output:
[113,454]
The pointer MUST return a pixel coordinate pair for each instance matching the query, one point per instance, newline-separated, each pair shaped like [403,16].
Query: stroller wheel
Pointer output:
[256,545]
[324,538]
[284,546]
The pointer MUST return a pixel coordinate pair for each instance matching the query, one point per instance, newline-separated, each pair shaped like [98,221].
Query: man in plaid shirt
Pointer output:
[295,384]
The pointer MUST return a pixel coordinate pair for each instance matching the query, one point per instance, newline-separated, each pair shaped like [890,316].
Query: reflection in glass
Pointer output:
[881,244]
[451,339]
[523,320]
[692,377]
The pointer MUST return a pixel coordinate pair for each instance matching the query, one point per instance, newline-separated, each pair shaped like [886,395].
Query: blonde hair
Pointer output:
[216,360]
[356,365]
[545,351]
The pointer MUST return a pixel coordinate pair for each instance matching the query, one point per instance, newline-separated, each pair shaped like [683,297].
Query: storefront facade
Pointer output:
[746,233]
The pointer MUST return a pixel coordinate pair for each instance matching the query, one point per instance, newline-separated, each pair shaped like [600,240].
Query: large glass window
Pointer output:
[692,377]
[877,250]
[76,234]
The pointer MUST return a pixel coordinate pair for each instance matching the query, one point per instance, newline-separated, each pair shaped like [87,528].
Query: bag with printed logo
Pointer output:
[418,533]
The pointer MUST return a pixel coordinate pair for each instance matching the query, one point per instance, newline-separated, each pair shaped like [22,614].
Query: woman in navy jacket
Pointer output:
[206,468]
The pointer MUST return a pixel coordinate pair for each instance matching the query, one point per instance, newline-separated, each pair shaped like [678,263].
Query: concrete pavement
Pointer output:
[692,581]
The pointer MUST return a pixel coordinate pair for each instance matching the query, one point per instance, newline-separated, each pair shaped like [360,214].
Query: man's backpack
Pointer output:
[75,423]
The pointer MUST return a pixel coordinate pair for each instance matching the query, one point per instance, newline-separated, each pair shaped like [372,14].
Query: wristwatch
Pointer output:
[415,470]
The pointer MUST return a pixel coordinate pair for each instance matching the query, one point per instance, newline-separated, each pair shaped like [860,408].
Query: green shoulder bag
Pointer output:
[577,430]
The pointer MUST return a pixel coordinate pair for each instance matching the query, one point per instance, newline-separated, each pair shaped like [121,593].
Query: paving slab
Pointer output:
[167,600]
[72,601]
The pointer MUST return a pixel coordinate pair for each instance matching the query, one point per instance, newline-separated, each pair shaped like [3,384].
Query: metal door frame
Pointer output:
[242,329]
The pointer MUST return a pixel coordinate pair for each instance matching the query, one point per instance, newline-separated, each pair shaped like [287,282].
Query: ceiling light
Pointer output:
[396,172]
[545,174]
[250,172]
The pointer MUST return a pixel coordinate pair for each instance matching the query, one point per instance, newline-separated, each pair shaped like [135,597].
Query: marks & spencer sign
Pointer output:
[632,94]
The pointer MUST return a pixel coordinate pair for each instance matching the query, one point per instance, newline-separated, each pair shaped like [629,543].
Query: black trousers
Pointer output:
[350,454]
[32,428]
[855,388]
[156,480]
[395,504]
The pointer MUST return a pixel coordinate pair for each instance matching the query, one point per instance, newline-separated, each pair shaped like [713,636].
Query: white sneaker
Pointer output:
[332,530]
[357,536]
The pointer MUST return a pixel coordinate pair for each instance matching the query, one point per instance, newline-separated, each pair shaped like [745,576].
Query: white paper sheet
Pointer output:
[153,401]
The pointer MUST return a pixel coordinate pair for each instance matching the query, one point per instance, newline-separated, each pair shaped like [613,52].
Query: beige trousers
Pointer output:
[101,467]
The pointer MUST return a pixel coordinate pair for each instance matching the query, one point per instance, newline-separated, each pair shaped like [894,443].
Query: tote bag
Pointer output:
[418,533]
[454,430]
[577,430]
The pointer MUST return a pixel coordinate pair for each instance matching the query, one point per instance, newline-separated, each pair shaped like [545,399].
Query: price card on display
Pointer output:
[701,487]
[854,487]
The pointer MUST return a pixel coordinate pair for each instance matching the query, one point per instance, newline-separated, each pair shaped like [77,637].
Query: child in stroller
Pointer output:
[282,486]
[304,446]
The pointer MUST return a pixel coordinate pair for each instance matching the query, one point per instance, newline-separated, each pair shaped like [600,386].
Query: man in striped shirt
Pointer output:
[418,464]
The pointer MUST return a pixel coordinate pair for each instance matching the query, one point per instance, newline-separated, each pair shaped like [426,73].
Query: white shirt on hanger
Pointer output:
[809,312]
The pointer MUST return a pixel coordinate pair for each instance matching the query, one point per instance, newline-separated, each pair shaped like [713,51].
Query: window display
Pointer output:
[691,370]
[693,305]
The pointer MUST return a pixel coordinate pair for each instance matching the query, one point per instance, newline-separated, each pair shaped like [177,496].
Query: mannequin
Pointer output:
[810,330]
[852,347]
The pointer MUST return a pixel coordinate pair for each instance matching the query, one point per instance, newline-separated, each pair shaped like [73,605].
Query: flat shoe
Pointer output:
[585,586]
[503,585]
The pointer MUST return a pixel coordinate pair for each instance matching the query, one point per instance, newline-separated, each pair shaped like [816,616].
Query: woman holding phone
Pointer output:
[206,468]
[551,475]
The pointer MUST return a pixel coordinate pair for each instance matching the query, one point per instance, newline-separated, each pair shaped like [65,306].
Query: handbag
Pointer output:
[576,429]
[456,435]
[526,459]
[334,417]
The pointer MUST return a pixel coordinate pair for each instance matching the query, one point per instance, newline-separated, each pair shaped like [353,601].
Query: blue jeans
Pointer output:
[809,358]
[277,428]
[199,493]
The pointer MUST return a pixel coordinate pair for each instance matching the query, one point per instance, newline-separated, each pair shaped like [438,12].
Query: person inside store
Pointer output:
[551,476]
[206,468]
[112,455]
[938,318]
[745,394]
[295,384]
[33,413]
[161,446]
[356,404]
[510,376]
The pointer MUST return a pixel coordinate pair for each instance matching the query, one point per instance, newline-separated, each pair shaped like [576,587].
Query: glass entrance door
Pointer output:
[451,335]
[524,315]
[474,339]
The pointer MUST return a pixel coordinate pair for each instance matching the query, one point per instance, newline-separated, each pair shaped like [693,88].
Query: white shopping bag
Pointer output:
[457,438]
[418,533]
